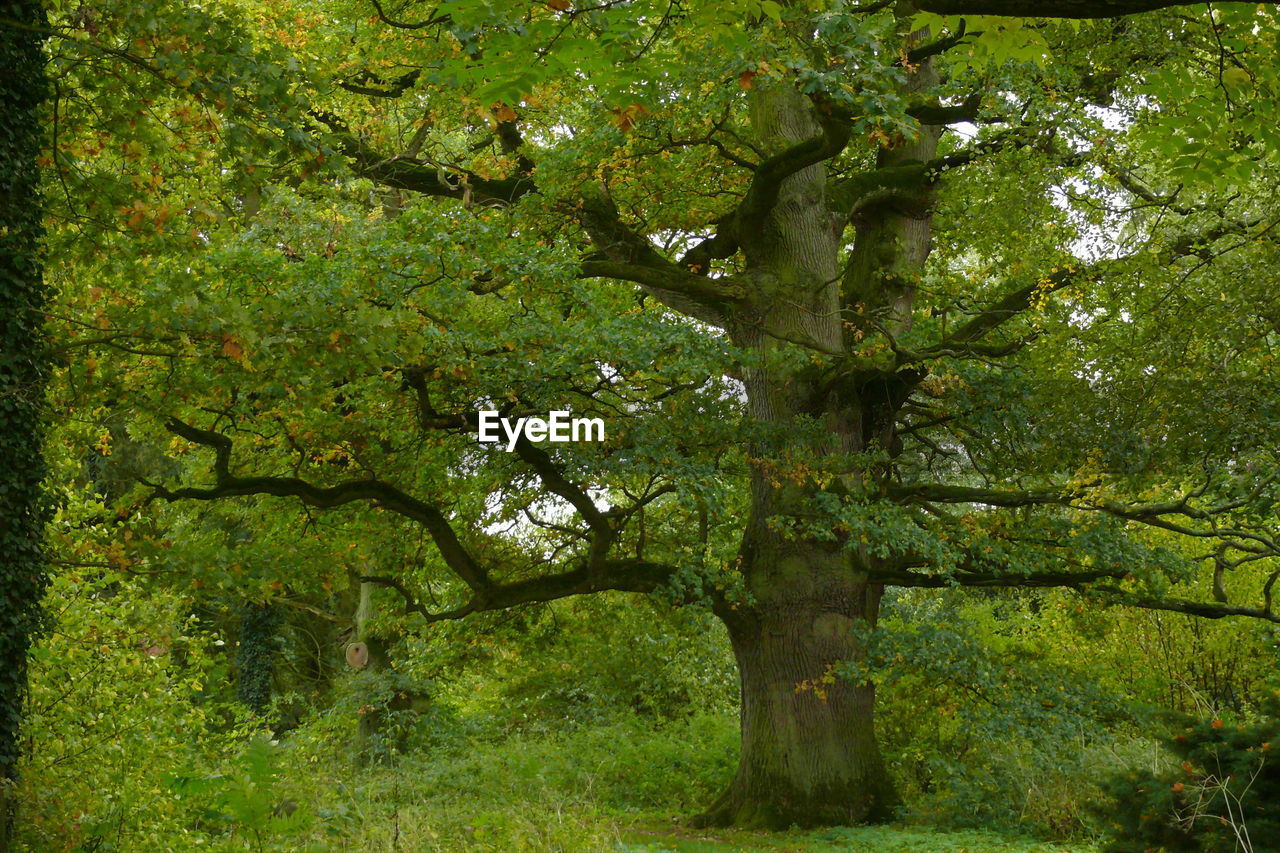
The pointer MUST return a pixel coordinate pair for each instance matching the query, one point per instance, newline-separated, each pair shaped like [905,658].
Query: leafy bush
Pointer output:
[624,657]
[590,662]
[245,801]
[117,705]
[986,723]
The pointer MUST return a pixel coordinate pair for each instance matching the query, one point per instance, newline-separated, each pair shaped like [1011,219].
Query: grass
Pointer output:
[869,839]
[615,789]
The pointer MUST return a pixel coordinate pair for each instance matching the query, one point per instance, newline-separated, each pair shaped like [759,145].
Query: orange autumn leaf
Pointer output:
[231,348]
[626,117]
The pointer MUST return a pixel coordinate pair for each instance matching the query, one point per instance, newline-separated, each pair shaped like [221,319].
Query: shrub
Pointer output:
[1224,795]
[988,724]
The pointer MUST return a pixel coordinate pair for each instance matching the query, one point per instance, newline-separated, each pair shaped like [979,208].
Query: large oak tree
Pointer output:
[868,295]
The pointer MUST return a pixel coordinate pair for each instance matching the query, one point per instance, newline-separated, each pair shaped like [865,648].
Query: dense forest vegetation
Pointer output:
[934,347]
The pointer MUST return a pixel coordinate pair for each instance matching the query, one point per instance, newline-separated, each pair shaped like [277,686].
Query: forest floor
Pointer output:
[878,839]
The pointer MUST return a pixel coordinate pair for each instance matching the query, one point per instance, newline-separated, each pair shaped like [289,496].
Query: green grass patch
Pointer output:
[866,839]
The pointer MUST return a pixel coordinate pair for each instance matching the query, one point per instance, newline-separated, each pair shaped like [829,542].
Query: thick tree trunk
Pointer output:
[809,752]
[376,737]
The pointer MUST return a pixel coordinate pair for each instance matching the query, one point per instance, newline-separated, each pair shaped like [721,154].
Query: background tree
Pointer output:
[23,299]
[868,297]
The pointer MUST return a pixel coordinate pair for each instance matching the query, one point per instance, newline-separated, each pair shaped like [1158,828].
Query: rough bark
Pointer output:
[809,752]
[375,740]
[369,729]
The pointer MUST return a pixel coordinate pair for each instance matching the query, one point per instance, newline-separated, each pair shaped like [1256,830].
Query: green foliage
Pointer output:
[989,718]
[245,801]
[122,697]
[604,660]
[330,236]
[395,713]
[1014,711]
[1223,796]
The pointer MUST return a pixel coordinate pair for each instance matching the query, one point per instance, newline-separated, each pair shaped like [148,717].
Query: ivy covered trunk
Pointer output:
[23,297]
[255,657]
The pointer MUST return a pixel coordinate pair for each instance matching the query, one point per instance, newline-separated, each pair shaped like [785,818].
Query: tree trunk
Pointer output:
[809,752]
[23,371]
[256,654]
[369,732]
[389,706]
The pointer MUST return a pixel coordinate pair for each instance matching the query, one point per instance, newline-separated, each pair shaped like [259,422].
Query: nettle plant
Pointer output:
[891,294]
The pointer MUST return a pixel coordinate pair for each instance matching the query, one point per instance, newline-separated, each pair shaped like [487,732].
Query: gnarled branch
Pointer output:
[766,183]
[1205,609]
[991,579]
[617,575]
[227,484]
[1008,307]
[410,174]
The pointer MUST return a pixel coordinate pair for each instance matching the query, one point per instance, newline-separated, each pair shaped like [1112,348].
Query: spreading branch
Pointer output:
[919,54]
[904,184]
[554,480]
[1177,515]
[934,114]
[991,579]
[1204,609]
[1004,310]
[371,85]
[623,254]
[435,20]
[723,243]
[227,484]
[595,574]
[615,575]
[713,291]
[1054,9]
[407,173]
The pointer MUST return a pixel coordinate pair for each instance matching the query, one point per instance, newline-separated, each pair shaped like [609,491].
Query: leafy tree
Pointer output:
[890,294]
